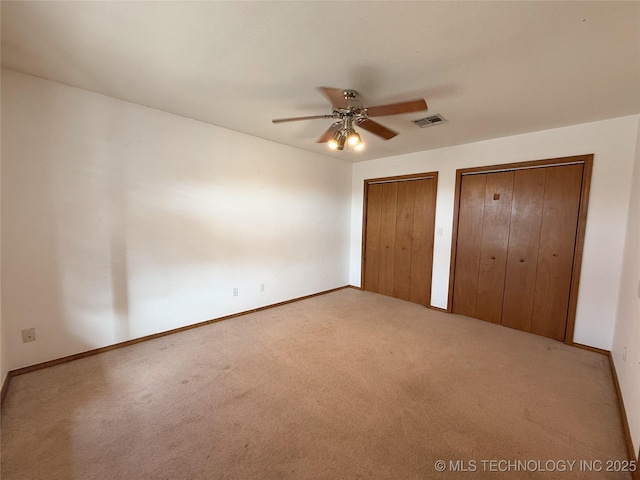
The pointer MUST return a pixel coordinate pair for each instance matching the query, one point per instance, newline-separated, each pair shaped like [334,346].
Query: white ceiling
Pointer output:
[492,69]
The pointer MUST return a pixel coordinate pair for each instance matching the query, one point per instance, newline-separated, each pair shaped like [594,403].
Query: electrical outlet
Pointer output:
[235,292]
[439,232]
[262,287]
[624,354]
[28,335]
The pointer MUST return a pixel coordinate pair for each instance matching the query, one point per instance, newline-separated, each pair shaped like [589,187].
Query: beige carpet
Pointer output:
[346,385]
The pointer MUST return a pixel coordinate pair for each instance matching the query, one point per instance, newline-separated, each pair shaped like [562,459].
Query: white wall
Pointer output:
[612,142]
[627,328]
[121,221]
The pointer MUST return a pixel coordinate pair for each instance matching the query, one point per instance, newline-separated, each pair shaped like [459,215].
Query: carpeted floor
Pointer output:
[347,385]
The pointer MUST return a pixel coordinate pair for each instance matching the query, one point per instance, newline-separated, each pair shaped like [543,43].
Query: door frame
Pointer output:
[587,162]
[399,178]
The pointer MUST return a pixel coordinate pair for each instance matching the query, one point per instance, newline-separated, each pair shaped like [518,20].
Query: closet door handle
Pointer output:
[521,260]
[493,257]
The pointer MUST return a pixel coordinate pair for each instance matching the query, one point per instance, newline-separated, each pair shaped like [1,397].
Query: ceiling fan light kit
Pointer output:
[344,134]
[348,110]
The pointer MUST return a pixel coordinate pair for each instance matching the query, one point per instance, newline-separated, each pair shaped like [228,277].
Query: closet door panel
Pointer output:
[403,239]
[471,211]
[493,246]
[522,252]
[424,211]
[557,244]
[372,251]
[387,237]
[398,238]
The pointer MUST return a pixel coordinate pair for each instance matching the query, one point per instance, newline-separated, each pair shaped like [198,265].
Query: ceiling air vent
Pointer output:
[436,119]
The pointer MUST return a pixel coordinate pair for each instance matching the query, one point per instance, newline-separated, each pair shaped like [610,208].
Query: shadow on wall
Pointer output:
[118,249]
[121,233]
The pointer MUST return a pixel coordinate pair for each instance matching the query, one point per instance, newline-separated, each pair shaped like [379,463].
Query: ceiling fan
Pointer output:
[348,112]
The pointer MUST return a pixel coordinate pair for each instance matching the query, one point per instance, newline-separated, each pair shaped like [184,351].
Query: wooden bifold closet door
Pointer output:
[516,241]
[398,237]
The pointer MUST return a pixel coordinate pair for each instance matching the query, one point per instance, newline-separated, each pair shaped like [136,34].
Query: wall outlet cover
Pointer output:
[28,335]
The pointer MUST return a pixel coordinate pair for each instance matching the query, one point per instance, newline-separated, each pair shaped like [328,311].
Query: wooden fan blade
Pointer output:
[377,129]
[326,136]
[397,108]
[335,96]
[295,119]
